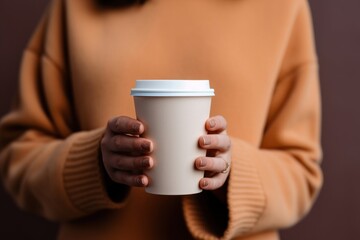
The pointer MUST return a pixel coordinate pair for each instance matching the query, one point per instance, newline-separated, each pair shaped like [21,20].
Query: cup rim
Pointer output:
[172,87]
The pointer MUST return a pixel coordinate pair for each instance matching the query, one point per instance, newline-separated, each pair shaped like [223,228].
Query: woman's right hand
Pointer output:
[125,154]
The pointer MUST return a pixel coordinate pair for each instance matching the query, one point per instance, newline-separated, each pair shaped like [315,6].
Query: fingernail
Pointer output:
[145,146]
[146,162]
[202,162]
[135,127]
[205,183]
[206,140]
[143,181]
[212,123]
[140,180]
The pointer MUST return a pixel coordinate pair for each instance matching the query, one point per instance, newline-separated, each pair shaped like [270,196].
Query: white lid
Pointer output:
[172,88]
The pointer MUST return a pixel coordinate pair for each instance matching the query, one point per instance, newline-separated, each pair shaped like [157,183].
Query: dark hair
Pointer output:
[119,3]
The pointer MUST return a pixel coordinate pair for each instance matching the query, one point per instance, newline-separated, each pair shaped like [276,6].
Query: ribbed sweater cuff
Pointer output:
[245,198]
[83,179]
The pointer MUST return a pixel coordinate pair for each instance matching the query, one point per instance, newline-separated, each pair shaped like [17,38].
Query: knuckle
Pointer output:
[114,175]
[116,141]
[225,163]
[118,162]
[226,143]
[106,162]
[121,178]
[109,123]
[220,164]
[217,183]
[225,124]
[117,123]
[107,167]
[226,148]
[222,122]
[103,143]
[113,124]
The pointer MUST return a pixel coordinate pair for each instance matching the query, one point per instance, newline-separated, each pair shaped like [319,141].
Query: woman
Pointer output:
[66,153]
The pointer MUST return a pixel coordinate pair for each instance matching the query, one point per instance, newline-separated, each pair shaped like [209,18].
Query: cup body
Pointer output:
[174,122]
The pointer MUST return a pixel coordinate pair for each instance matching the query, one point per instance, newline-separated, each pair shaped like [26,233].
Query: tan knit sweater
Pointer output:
[77,72]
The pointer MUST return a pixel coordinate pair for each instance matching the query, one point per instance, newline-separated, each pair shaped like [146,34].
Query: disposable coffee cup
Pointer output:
[174,113]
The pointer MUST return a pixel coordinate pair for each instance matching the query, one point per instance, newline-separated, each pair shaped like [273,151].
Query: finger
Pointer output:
[219,142]
[213,183]
[130,163]
[129,179]
[129,144]
[216,124]
[125,125]
[211,164]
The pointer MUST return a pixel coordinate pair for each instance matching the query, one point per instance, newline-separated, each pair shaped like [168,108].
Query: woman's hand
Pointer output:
[125,155]
[217,162]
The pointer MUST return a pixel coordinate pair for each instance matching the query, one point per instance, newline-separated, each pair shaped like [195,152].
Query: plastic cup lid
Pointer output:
[172,88]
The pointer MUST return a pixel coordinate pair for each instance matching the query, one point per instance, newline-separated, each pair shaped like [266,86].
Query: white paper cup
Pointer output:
[174,114]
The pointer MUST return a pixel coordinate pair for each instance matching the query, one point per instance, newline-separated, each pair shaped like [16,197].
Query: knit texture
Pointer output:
[77,72]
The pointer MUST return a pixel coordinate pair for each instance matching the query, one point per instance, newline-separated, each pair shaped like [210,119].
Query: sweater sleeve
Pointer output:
[273,185]
[48,165]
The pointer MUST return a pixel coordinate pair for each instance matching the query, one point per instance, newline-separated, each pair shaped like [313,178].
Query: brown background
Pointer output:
[336,214]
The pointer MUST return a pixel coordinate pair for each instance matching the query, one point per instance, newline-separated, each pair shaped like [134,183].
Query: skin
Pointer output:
[126,155]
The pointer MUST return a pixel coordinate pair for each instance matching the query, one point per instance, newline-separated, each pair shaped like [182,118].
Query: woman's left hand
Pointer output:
[217,162]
